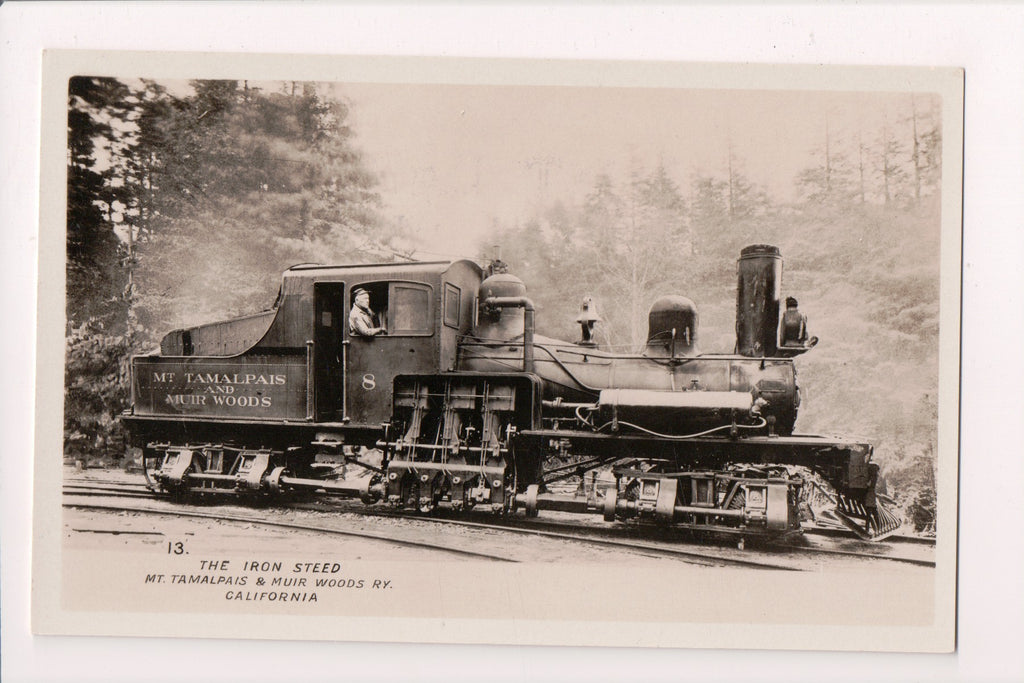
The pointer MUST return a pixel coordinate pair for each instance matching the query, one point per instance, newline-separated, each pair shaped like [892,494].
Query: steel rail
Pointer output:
[640,547]
[104,482]
[107,487]
[636,546]
[294,526]
[97,491]
[786,546]
[111,494]
[845,534]
[850,553]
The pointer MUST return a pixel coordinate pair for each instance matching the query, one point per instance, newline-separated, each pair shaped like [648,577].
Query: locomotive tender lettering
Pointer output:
[242,401]
[216,378]
[185,400]
[200,400]
[218,388]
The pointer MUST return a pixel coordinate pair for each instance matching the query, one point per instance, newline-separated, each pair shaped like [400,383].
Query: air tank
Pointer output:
[758,293]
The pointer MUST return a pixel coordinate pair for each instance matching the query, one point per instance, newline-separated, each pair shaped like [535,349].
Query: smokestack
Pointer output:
[758,293]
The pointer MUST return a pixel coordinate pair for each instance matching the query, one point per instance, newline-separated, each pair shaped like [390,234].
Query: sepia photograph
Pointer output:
[499,346]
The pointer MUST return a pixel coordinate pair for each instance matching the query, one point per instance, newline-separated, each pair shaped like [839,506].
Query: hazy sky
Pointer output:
[451,159]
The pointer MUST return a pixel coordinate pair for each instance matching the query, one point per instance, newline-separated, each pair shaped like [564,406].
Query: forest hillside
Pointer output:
[864,267]
[186,201]
[179,190]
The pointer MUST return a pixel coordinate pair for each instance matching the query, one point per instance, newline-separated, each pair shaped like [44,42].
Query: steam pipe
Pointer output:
[528,322]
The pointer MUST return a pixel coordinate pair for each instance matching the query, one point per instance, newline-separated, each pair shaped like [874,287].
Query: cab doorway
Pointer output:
[328,353]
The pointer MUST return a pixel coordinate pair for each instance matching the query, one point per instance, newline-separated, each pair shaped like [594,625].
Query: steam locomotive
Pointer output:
[466,406]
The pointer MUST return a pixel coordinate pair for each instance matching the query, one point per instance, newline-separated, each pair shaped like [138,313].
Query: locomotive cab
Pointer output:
[298,367]
[420,308]
[410,343]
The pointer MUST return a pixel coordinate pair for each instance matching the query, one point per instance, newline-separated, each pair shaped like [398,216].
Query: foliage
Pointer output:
[184,202]
[237,182]
[94,252]
[95,377]
[862,261]
[172,197]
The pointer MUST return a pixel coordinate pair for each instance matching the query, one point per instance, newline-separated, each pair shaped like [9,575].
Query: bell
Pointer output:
[587,318]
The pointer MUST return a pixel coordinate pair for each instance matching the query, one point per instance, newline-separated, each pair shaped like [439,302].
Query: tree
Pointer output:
[245,183]
[926,149]
[98,294]
[665,208]
[723,211]
[828,180]
[745,199]
[95,278]
[889,155]
[708,200]
[95,379]
[861,165]
[619,247]
[185,208]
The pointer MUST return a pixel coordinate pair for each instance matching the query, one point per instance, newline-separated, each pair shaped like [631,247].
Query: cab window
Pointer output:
[401,308]
[409,309]
[378,293]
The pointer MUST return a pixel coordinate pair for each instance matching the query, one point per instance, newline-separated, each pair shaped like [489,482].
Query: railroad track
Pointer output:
[702,557]
[104,482]
[604,537]
[611,536]
[88,490]
[634,547]
[843,533]
[849,553]
[262,521]
[530,528]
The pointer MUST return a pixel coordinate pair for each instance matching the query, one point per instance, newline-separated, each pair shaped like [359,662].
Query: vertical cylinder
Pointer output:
[758,292]
[528,328]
